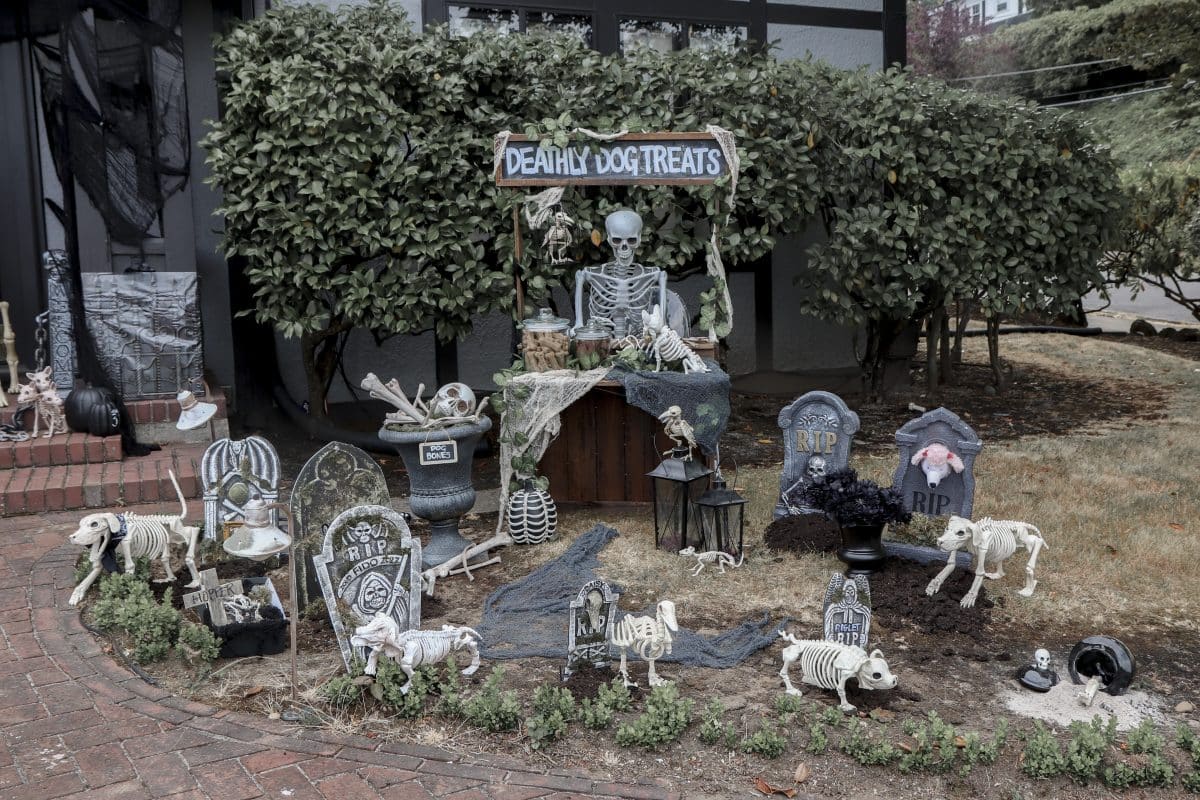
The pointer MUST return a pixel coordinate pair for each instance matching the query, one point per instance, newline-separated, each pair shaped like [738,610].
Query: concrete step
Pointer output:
[62,448]
[103,484]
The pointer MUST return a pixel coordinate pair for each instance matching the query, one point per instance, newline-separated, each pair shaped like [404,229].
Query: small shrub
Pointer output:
[126,603]
[766,742]
[664,721]
[931,733]
[1043,757]
[864,748]
[83,567]
[1085,751]
[1188,742]
[492,709]
[787,705]
[978,751]
[197,643]
[594,714]
[389,680]
[449,690]
[1191,782]
[712,729]
[553,708]
[615,696]
[832,716]
[818,741]
[340,691]
[1155,772]
[1145,739]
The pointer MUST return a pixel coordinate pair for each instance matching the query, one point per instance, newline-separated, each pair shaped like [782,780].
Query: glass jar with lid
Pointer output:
[545,342]
[593,343]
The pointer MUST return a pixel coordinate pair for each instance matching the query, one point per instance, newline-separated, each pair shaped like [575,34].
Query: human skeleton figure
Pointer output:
[990,542]
[619,289]
[650,638]
[718,557]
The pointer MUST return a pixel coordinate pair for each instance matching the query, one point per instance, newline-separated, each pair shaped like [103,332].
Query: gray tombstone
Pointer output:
[369,564]
[234,472]
[334,478]
[590,627]
[847,610]
[818,431]
[937,496]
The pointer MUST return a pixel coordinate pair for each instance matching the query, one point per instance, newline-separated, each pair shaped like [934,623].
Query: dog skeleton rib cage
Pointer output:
[619,290]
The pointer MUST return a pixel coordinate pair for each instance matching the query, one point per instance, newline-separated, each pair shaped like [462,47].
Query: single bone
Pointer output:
[1089,692]
[430,576]
[10,352]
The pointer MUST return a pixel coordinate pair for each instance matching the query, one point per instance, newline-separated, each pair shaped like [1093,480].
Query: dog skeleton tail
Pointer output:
[179,492]
[742,559]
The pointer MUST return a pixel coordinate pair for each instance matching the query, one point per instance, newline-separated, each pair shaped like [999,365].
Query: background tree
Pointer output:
[945,41]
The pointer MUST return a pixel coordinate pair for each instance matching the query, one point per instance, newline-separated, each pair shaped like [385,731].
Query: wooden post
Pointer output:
[213,593]
[518,254]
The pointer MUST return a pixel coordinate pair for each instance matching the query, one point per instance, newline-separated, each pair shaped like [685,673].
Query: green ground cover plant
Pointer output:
[664,720]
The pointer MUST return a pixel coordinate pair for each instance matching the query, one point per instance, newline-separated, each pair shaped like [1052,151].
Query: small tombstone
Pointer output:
[943,482]
[333,479]
[848,610]
[592,613]
[232,473]
[369,563]
[818,431]
[213,593]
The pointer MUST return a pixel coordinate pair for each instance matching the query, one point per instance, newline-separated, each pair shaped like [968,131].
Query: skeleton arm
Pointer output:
[580,282]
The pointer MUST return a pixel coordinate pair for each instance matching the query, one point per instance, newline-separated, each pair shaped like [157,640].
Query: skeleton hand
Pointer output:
[934,586]
[76,596]
[968,600]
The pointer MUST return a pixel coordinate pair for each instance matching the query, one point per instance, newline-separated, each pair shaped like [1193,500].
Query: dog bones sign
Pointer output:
[438,453]
[634,158]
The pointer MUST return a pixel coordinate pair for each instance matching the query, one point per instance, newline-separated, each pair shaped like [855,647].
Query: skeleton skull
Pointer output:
[1041,658]
[360,533]
[624,229]
[453,400]
[816,469]
[594,604]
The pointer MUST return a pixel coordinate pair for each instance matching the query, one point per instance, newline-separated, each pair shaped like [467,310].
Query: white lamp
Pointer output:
[257,539]
[194,413]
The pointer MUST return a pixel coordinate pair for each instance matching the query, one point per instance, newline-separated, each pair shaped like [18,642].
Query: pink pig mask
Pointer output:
[936,461]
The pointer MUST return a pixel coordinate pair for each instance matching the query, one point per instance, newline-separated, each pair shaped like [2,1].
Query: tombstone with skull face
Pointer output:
[590,629]
[618,291]
[818,431]
[370,564]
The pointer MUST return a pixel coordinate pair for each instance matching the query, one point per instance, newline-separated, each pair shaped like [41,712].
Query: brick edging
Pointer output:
[63,638]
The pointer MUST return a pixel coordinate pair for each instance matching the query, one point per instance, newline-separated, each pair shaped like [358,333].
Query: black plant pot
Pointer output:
[862,549]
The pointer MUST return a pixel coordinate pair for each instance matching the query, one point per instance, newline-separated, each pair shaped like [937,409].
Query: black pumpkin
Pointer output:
[92,410]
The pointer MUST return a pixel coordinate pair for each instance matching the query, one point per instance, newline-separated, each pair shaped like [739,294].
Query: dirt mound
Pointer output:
[898,600]
[803,533]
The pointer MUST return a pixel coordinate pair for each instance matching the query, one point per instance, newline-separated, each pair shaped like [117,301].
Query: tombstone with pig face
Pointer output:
[818,430]
[937,460]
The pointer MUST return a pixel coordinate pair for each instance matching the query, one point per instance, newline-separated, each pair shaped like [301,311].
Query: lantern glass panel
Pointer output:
[677,484]
[720,520]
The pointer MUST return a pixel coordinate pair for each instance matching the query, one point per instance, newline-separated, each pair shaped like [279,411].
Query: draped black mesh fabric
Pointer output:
[123,121]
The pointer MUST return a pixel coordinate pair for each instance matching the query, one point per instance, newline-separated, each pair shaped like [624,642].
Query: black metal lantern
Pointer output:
[720,514]
[678,482]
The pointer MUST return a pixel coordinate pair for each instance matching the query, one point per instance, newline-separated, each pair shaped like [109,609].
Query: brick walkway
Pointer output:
[74,723]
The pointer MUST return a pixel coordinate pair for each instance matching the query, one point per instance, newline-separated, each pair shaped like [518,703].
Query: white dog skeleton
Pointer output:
[831,664]
[665,344]
[413,648]
[136,535]
[718,557]
[990,542]
[649,638]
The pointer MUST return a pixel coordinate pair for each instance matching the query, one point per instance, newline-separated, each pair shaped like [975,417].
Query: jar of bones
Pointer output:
[545,342]
[592,344]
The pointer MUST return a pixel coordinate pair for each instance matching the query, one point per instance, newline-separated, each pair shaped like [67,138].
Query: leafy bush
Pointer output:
[197,642]
[553,708]
[864,748]
[787,705]
[340,691]
[389,680]
[1043,757]
[594,714]
[1154,772]
[615,695]
[126,603]
[766,742]
[664,720]
[818,740]
[978,751]
[851,501]
[1191,782]
[492,709]
[931,733]
[1145,738]
[1085,751]
[1187,741]
[449,689]
[712,728]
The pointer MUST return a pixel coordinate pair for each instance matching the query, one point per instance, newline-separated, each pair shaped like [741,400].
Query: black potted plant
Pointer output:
[861,509]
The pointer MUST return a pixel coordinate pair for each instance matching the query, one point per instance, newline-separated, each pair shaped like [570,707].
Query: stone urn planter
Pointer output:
[439,461]
[862,549]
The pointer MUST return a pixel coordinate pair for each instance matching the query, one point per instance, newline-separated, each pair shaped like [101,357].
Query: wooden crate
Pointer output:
[604,450]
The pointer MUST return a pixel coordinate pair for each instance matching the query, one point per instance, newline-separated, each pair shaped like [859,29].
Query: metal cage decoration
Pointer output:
[721,518]
[677,483]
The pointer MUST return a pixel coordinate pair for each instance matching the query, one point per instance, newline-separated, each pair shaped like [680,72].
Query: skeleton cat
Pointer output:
[718,557]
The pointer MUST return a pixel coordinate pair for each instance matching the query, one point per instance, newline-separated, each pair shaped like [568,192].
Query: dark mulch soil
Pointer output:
[801,533]
[898,598]
[586,681]
[1163,344]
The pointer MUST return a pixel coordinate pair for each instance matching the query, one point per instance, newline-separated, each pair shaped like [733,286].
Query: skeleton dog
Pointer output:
[718,557]
[990,542]
[136,535]
[830,665]
[650,638]
[413,648]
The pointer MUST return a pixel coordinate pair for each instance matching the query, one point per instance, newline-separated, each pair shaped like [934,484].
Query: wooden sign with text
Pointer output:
[633,159]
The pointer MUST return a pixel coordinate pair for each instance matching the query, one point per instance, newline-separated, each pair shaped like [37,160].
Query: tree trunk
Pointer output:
[993,340]
[881,334]
[933,335]
[964,318]
[946,368]
[319,352]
